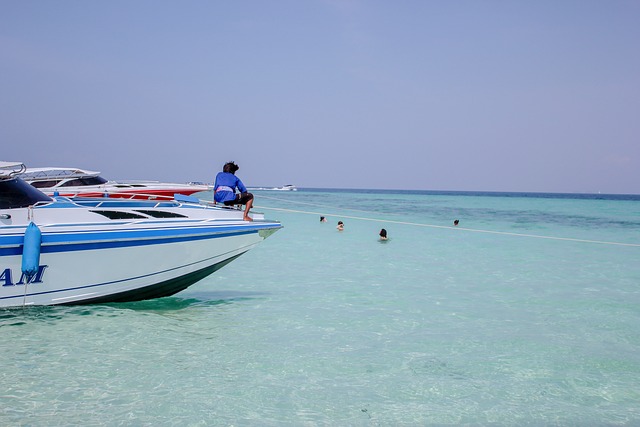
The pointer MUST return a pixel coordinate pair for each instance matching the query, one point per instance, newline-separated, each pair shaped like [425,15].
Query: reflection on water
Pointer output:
[18,316]
[195,299]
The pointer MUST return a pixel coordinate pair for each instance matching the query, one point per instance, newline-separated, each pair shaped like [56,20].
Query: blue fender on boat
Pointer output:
[31,250]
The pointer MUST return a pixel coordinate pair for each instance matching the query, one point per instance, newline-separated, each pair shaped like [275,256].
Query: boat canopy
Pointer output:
[62,177]
[56,173]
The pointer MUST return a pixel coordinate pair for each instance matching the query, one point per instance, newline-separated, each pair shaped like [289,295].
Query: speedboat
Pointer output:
[72,182]
[59,250]
[288,187]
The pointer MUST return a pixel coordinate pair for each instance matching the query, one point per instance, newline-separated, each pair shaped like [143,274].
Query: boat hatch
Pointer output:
[120,215]
[162,214]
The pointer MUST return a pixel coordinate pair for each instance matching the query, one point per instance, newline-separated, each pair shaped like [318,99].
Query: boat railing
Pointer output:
[10,169]
[131,196]
[121,203]
[114,195]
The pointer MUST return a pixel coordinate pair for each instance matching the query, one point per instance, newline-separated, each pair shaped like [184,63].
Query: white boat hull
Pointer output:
[72,273]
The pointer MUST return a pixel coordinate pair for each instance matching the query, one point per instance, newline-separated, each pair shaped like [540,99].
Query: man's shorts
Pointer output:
[241,199]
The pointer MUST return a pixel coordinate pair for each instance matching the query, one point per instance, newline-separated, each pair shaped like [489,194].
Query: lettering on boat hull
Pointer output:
[6,277]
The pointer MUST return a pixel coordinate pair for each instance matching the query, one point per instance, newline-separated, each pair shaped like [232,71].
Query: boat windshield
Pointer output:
[81,182]
[45,184]
[15,193]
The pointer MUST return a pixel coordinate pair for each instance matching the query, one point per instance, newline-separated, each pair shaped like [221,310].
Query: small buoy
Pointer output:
[31,250]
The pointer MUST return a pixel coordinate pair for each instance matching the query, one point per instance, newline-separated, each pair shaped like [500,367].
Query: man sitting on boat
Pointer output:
[225,189]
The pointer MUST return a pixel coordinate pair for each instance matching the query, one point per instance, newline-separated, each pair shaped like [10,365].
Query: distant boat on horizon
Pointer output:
[288,187]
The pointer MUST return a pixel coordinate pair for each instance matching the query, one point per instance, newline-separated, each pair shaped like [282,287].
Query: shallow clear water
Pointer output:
[527,313]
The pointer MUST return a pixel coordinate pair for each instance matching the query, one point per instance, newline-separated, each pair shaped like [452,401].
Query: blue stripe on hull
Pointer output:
[73,247]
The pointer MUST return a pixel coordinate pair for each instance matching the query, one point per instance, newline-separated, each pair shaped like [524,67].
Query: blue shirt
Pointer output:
[225,187]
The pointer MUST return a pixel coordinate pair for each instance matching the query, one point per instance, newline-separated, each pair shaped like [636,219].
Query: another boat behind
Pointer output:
[71,182]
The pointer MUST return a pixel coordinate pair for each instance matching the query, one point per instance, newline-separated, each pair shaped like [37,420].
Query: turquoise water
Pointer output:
[527,313]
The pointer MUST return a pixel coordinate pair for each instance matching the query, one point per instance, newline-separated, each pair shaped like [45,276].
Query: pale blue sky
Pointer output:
[435,95]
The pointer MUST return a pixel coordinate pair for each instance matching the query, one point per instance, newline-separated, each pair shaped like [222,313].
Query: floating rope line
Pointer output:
[417,224]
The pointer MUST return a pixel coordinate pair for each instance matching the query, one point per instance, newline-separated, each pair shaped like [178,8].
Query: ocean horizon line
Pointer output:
[487,193]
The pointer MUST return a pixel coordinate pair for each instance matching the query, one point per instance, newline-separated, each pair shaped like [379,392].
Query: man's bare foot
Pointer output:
[248,218]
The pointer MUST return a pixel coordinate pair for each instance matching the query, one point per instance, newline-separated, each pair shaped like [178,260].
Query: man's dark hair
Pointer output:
[230,167]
